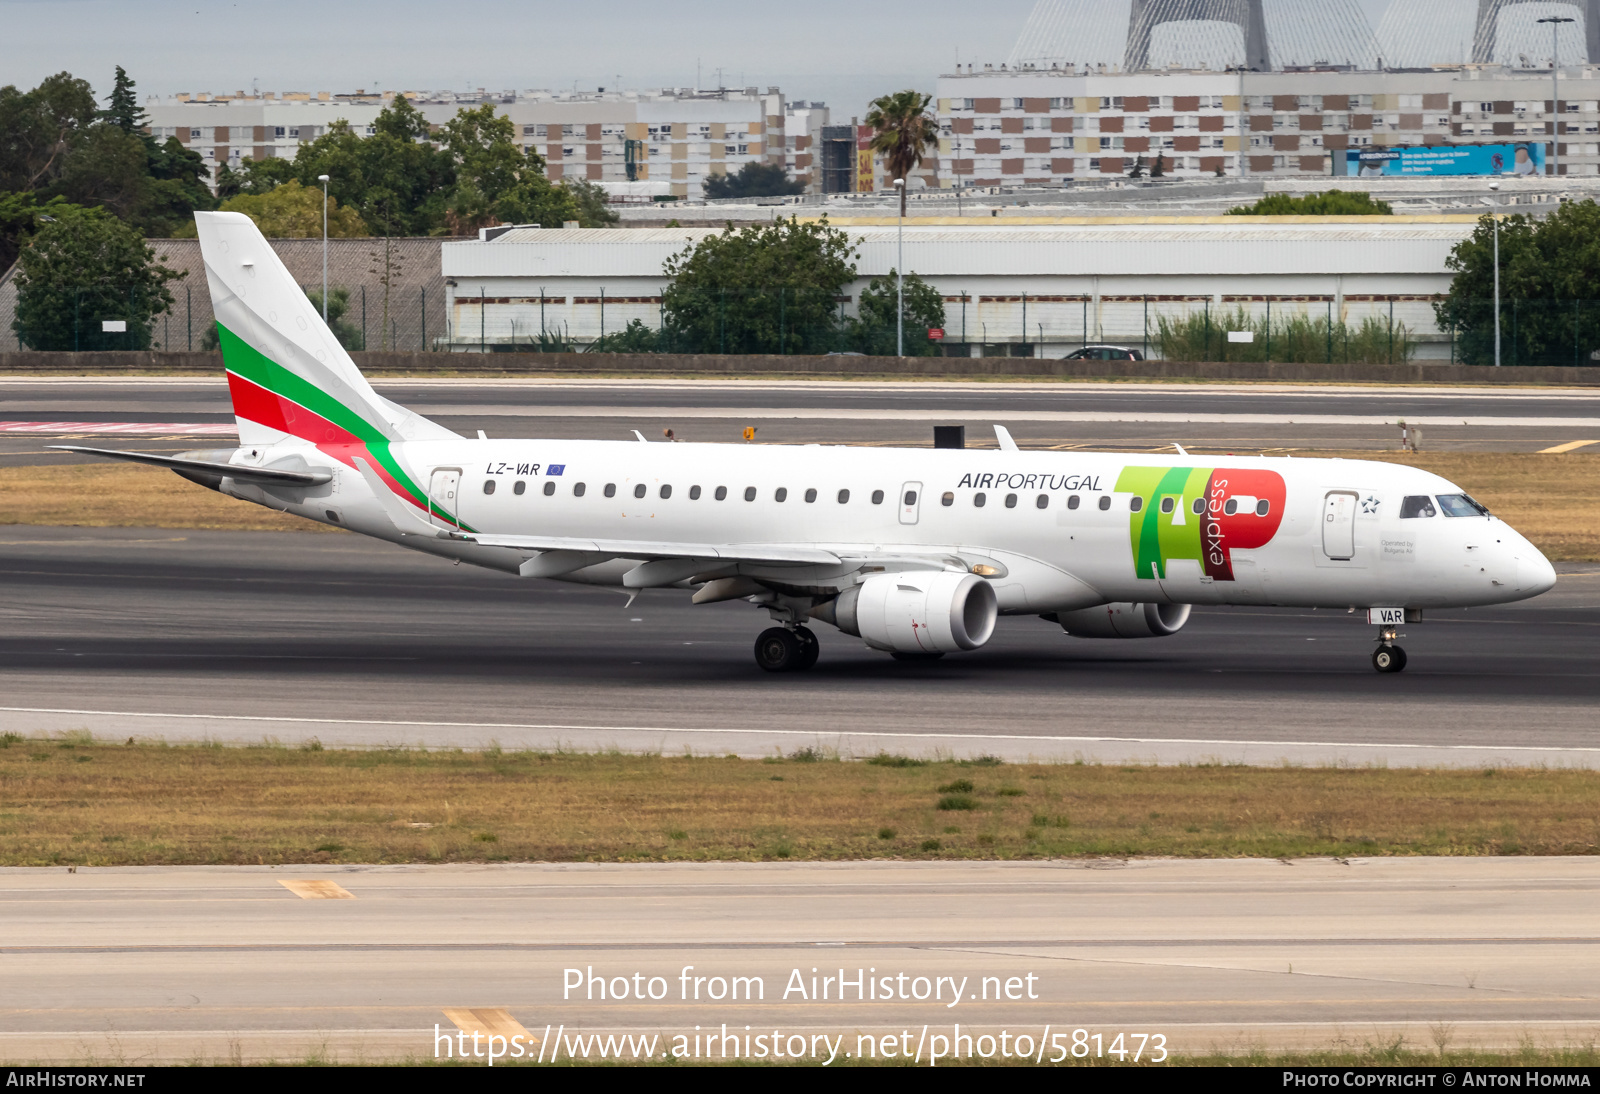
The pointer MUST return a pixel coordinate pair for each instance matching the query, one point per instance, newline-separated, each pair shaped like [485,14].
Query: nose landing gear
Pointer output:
[1388,657]
[787,649]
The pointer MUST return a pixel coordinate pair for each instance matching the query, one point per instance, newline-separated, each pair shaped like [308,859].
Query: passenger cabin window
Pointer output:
[1460,505]
[1263,507]
[1417,505]
[781,494]
[611,490]
[1105,502]
[638,491]
[1043,501]
[1135,504]
[1011,501]
[1072,501]
[666,492]
[877,497]
[722,493]
[911,497]
[578,488]
[1199,506]
[844,497]
[980,500]
[1231,506]
[694,493]
[749,493]
[1168,505]
[549,489]
[488,486]
[519,488]
[946,499]
[811,495]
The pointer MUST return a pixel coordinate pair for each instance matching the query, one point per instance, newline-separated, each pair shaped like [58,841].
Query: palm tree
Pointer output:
[904,130]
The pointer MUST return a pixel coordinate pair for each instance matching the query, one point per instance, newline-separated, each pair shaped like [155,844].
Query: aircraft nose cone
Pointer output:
[1535,575]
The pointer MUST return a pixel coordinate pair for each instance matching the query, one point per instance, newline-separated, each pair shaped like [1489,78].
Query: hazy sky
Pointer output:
[838,51]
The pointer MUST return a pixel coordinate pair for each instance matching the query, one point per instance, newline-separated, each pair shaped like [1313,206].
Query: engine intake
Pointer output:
[1124,620]
[916,612]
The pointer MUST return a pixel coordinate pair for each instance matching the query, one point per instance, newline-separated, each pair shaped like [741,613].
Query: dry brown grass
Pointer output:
[1552,499]
[76,802]
[121,495]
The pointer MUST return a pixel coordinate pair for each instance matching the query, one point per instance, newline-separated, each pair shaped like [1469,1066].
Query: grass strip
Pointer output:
[1552,499]
[72,801]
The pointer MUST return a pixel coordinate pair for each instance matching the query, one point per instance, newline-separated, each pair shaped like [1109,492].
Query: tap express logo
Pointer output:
[1199,513]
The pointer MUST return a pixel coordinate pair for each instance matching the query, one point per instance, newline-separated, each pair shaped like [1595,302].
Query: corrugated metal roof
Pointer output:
[1217,246]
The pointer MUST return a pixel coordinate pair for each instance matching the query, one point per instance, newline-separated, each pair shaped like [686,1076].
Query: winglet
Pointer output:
[406,521]
[1003,435]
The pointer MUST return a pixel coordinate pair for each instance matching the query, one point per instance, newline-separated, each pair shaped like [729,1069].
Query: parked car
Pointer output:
[1105,353]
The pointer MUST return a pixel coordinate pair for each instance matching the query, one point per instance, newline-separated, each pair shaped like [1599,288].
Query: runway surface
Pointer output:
[190,635]
[1244,416]
[138,966]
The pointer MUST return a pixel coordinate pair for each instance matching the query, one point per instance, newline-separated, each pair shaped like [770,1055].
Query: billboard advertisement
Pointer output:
[1525,158]
[864,172]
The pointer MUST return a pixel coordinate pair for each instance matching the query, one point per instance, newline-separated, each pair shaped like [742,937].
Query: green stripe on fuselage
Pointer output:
[1158,537]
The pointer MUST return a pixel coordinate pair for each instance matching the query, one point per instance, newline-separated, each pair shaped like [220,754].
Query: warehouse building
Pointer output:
[1012,286]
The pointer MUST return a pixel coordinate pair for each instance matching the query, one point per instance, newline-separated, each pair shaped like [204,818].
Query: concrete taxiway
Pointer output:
[1065,415]
[189,635]
[148,965]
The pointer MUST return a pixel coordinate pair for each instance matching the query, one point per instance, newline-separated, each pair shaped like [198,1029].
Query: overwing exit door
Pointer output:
[444,489]
[910,502]
[1339,524]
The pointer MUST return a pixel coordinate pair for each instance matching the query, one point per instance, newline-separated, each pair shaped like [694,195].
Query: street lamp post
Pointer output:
[1555,22]
[1494,216]
[900,274]
[324,180]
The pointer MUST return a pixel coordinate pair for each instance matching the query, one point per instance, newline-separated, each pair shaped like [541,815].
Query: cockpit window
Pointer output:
[1460,505]
[1417,505]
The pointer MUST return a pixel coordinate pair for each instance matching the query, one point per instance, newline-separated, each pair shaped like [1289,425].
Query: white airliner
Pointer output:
[915,551]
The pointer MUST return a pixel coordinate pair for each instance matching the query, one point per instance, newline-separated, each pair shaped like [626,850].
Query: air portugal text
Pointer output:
[1022,481]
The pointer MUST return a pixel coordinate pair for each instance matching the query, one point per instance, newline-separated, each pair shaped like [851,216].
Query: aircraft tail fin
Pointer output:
[288,375]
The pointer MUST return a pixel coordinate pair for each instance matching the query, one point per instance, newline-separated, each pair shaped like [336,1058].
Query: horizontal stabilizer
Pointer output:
[267,476]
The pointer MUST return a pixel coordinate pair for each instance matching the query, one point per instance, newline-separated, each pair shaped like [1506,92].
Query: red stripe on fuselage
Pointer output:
[255,403]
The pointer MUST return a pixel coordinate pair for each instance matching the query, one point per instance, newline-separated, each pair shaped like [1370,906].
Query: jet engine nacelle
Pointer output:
[921,611]
[1124,620]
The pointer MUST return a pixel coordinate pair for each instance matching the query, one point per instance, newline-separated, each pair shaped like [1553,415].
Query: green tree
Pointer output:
[291,211]
[634,338]
[122,106]
[1329,203]
[767,289]
[754,180]
[903,132]
[395,179]
[39,127]
[497,182]
[1548,271]
[875,325]
[1159,168]
[254,177]
[85,267]
[594,209]
[20,216]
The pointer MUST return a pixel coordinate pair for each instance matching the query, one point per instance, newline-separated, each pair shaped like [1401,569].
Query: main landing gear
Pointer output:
[1388,657]
[787,649]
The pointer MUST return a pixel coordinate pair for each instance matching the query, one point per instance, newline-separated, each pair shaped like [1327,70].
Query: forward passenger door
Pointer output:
[1339,524]
[910,502]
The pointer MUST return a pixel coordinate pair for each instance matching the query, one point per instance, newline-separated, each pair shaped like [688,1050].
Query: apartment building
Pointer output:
[1045,127]
[674,137]
[803,126]
[1489,105]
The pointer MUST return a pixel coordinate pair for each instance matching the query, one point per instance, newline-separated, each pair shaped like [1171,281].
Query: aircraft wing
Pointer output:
[266,476]
[638,548]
